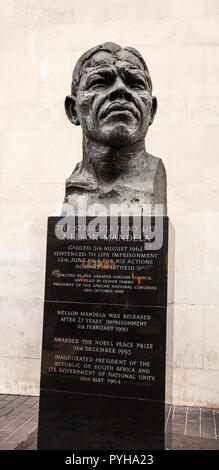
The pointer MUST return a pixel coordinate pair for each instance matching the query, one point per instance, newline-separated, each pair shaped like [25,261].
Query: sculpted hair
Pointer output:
[113,49]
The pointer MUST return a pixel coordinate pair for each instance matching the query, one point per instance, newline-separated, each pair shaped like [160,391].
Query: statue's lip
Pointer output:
[118,107]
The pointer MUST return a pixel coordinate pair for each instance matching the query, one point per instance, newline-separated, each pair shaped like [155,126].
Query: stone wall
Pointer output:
[39,44]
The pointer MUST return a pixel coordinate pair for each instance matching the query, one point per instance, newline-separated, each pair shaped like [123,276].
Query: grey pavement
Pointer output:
[193,428]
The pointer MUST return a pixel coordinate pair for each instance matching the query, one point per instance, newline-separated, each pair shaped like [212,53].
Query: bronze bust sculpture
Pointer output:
[111,98]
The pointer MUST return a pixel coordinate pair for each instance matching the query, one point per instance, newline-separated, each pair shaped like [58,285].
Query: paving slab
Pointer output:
[193,428]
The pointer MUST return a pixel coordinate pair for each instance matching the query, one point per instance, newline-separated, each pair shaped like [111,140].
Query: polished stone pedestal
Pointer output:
[89,422]
[107,341]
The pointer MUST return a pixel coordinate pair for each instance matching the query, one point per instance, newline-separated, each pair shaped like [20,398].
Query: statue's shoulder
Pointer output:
[159,181]
[74,175]
[81,179]
[155,163]
[155,171]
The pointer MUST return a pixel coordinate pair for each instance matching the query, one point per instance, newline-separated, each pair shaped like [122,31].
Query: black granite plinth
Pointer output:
[107,341]
[81,421]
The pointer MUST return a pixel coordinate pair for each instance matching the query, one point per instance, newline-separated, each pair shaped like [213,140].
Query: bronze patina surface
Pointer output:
[111,98]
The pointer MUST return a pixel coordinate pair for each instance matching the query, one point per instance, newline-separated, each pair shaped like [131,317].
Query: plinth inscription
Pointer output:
[107,269]
[117,350]
[104,336]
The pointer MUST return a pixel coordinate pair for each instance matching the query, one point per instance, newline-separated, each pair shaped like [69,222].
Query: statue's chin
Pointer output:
[119,135]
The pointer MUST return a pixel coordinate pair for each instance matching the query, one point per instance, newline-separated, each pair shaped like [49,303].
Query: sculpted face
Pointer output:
[113,103]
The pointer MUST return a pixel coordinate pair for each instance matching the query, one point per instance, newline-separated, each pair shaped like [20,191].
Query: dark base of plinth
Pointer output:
[85,422]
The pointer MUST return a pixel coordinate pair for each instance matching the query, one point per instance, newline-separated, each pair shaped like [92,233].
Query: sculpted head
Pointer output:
[111,95]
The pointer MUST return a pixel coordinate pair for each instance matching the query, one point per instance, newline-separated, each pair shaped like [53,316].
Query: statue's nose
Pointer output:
[119,90]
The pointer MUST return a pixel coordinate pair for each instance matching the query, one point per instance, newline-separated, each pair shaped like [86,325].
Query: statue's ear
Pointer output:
[70,109]
[153,109]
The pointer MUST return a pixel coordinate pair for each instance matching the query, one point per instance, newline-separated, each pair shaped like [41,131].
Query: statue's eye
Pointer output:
[138,84]
[98,83]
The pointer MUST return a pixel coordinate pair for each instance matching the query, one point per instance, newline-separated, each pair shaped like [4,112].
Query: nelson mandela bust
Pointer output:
[111,98]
